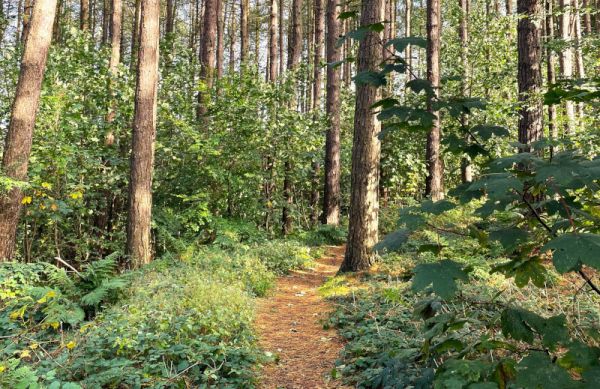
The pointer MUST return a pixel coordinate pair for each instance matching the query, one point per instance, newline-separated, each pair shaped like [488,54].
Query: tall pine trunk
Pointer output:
[529,72]
[84,15]
[551,72]
[319,32]
[208,45]
[565,58]
[294,53]
[244,33]
[17,145]
[434,184]
[331,197]
[220,39]
[139,244]
[466,169]
[364,199]
[408,32]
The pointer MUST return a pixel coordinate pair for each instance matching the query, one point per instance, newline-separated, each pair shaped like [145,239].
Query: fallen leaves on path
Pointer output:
[290,326]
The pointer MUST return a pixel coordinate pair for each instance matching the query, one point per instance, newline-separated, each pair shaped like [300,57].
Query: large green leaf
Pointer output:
[393,241]
[536,371]
[419,84]
[400,44]
[370,78]
[521,324]
[441,275]
[573,249]
[436,207]
[509,238]
[486,131]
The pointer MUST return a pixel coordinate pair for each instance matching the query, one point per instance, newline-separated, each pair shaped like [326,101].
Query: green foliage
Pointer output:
[442,276]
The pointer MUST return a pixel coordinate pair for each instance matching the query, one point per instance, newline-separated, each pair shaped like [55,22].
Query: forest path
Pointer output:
[290,325]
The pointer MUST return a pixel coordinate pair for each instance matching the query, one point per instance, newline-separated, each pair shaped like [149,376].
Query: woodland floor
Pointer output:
[290,325]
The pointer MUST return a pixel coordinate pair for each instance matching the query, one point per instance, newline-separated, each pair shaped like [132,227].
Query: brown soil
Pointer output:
[290,325]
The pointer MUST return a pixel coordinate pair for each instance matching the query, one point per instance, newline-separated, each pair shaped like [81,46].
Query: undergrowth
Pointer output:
[184,320]
[398,338]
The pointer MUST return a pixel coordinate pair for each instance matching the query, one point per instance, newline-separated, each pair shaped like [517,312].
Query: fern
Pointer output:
[98,271]
[105,291]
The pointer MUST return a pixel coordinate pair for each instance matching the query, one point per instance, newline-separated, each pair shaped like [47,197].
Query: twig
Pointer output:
[587,279]
[59,259]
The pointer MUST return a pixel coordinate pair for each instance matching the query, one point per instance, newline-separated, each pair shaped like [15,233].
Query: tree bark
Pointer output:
[466,169]
[587,17]
[319,32]
[115,59]
[106,15]
[579,65]
[294,53]
[27,14]
[139,245]
[408,32]
[232,32]
[220,38]
[84,15]
[529,72]
[208,45]
[509,7]
[565,59]
[280,36]
[244,34]
[273,40]
[135,34]
[170,22]
[434,184]
[17,146]
[331,197]
[364,201]
[551,71]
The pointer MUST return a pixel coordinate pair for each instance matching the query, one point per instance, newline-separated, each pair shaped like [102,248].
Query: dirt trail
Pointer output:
[289,325]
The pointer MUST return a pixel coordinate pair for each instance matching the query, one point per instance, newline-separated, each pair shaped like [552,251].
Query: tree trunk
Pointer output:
[18,33]
[170,22]
[84,15]
[220,38]
[551,72]
[434,184]
[106,22]
[529,73]
[135,34]
[232,32]
[319,32]
[27,14]
[331,198]
[408,32]
[294,53]
[509,7]
[115,59]
[273,40]
[466,169]
[587,17]
[56,30]
[17,146]
[565,59]
[281,66]
[579,65]
[244,35]
[208,45]
[364,201]
[139,245]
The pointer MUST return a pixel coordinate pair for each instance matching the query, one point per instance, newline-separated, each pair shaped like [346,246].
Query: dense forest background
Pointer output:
[165,161]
